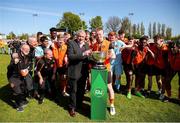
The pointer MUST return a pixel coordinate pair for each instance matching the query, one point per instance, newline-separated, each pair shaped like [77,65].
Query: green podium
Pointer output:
[98,93]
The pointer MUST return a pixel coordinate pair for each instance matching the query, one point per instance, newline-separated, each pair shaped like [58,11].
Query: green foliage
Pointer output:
[138,29]
[154,29]
[150,30]
[163,28]
[84,26]
[142,29]
[11,35]
[175,38]
[23,36]
[130,29]
[71,21]
[134,29]
[168,33]
[159,28]
[125,24]
[96,22]
[137,36]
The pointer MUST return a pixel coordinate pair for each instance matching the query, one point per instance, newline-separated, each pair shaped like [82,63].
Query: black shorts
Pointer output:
[153,70]
[128,69]
[140,68]
[62,70]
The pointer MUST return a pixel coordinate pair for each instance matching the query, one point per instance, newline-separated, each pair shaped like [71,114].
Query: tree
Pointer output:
[134,29]
[168,33]
[163,30]
[175,38]
[71,21]
[150,30]
[138,29]
[24,36]
[159,28]
[130,29]
[96,22]
[84,26]
[154,29]
[125,24]
[142,29]
[135,33]
[11,35]
[113,24]
[137,36]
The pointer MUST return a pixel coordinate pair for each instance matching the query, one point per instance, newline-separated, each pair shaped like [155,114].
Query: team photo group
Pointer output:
[46,66]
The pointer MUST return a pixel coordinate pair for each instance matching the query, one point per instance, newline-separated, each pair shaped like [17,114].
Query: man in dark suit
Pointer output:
[77,52]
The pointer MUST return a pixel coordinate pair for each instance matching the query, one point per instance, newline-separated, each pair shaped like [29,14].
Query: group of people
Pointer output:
[62,60]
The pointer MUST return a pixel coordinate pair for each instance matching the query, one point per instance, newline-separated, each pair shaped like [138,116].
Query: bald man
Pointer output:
[18,76]
[46,75]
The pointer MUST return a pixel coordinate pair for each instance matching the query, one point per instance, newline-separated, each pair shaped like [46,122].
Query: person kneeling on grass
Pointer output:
[46,75]
[19,77]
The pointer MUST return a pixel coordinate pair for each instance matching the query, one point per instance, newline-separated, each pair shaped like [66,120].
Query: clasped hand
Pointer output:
[87,52]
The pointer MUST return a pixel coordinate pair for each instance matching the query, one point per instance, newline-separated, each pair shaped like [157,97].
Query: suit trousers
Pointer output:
[77,90]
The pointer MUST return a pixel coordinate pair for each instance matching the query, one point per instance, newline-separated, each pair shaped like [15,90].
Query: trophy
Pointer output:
[99,57]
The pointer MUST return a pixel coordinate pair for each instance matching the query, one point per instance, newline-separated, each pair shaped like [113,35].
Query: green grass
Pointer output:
[133,110]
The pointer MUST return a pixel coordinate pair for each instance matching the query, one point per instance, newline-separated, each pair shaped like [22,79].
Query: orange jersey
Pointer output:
[104,46]
[140,55]
[150,60]
[59,54]
[160,60]
[174,60]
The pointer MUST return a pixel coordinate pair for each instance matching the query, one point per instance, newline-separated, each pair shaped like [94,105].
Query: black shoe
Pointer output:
[20,109]
[29,97]
[72,112]
[24,103]
[117,91]
[36,95]
[166,99]
[40,101]
[148,94]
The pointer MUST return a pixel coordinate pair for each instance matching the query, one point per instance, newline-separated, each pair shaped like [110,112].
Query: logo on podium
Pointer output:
[98,92]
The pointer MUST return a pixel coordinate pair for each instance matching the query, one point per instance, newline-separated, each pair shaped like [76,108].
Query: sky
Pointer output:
[17,15]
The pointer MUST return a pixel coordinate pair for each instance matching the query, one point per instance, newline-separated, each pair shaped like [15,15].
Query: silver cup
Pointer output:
[99,57]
